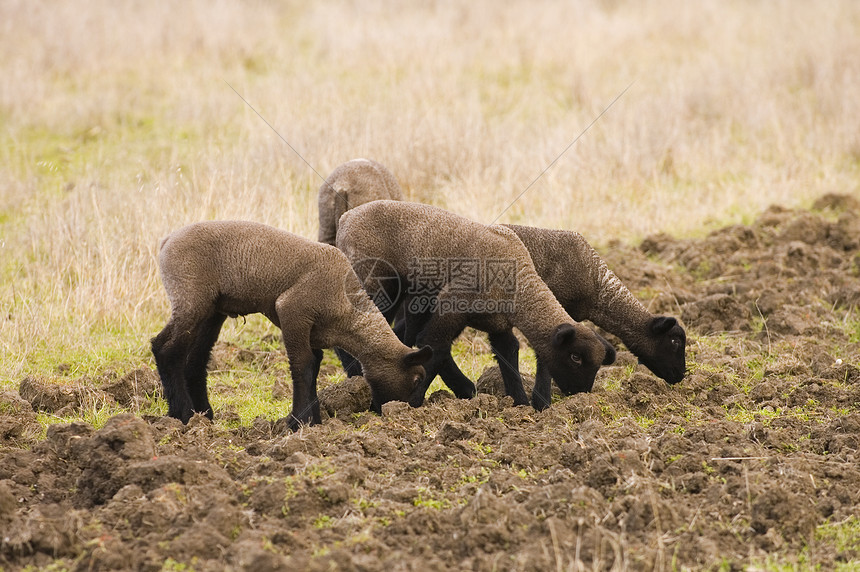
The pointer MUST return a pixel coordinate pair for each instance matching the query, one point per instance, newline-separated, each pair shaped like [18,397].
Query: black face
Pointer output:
[667,358]
[576,357]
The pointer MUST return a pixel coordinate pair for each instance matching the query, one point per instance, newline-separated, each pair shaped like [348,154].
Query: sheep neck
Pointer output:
[614,307]
[367,336]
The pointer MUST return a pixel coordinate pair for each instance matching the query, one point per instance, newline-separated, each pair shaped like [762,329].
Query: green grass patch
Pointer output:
[248,395]
[171,565]
[98,413]
[323,521]
[844,535]
[808,413]
[852,328]
[613,382]
[97,355]
[841,539]
[427,499]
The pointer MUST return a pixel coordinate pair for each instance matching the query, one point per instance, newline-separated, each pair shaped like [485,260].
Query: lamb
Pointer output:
[212,270]
[489,283]
[588,290]
[352,184]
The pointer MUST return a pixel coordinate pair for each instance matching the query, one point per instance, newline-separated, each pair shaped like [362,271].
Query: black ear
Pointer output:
[563,335]
[662,324]
[609,358]
[418,357]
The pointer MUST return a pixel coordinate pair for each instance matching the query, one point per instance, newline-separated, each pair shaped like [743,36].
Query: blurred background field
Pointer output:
[119,123]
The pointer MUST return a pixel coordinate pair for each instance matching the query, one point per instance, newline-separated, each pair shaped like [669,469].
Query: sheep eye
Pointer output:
[576,359]
[676,343]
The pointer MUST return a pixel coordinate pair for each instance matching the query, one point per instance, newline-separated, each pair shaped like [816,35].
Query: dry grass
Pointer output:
[118,125]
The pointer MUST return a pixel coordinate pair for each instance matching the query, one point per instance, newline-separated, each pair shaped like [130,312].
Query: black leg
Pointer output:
[542,392]
[455,379]
[304,368]
[506,349]
[170,348]
[444,362]
[350,365]
[399,328]
[413,324]
[198,359]
[304,360]
[304,387]
[315,402]
[438,331]
[391,303]
[399,323]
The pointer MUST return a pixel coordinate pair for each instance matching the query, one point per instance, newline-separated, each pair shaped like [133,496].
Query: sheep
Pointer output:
[404,242]
[588,290]
[212,270]
[352,184]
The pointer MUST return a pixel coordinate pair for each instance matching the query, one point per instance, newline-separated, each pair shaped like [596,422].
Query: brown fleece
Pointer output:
[307,289]
[352,184]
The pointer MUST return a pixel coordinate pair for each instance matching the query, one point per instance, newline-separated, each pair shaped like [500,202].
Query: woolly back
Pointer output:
[398,231]
[408,235]
[574,270]
[352,184]
[247,262]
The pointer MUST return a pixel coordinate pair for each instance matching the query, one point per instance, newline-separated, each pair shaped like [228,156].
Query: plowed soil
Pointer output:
[751,462]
